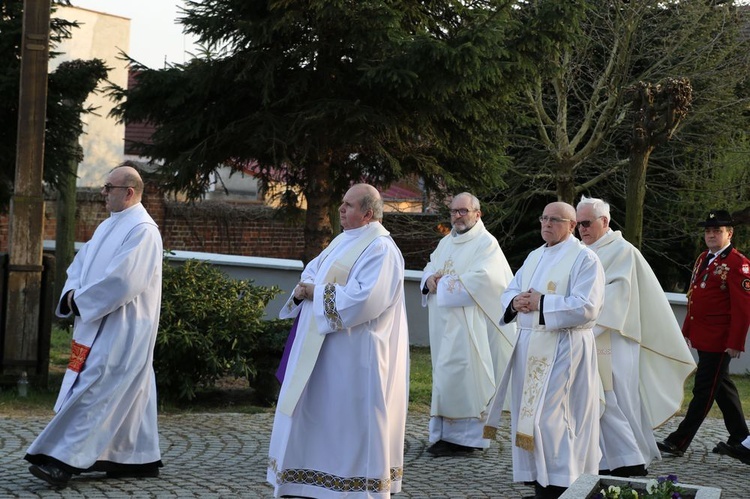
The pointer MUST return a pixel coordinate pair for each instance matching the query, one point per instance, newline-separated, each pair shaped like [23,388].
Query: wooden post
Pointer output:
[26,234]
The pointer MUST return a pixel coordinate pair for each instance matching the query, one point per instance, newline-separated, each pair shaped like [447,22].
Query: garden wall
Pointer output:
[247,229]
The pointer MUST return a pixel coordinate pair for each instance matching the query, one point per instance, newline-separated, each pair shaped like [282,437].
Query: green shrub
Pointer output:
[212,326]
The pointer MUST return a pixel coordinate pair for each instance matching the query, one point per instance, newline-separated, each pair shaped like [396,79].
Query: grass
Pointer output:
[420,380]
[232,395]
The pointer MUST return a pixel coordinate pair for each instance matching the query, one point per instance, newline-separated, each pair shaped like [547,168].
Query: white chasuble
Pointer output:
[469,348]
[642,355]
[106,410]
[345,434]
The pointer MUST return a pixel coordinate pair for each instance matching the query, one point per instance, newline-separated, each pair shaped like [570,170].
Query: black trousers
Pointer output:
[712,382]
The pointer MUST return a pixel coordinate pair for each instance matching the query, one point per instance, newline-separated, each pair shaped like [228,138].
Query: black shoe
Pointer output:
[437,447]
[51,474]
[722,448]
[737,451]
[548,492]
[629,471]
[669,448]
[148,473]
[442,448]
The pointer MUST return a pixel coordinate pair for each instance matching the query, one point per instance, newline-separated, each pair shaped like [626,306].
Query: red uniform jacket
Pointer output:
[718,314]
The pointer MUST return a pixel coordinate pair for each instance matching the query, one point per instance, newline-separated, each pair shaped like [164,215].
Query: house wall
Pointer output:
[100,36]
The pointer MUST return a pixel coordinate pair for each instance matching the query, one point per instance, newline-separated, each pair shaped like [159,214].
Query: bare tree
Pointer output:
[659,110]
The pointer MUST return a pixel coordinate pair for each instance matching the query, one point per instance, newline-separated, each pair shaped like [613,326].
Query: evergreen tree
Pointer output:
[318,94]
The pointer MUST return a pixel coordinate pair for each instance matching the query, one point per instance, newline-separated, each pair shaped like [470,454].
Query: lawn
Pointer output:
[234,396]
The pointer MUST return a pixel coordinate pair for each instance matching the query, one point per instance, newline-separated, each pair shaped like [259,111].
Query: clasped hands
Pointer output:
[528,301]
[304,291]
[432,282]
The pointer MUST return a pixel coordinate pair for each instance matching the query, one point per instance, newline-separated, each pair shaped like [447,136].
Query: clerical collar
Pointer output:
[123,212]
[358,231]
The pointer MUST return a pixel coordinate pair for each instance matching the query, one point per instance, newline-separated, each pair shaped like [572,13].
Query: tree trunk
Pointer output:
[65,233]
[566,187]
[636,194]
[317,221]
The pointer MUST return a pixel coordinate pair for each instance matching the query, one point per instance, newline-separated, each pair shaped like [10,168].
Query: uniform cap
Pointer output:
[717,218]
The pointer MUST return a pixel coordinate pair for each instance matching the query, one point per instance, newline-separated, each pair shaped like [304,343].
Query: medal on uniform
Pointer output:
[703,281]
[723,272]
[551,286]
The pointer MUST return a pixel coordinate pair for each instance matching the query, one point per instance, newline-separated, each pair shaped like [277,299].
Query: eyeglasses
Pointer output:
[109,187]
[461,211]
[553,220]
[587,223]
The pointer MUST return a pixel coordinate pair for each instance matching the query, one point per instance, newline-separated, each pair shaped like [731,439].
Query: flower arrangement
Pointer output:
[664,487]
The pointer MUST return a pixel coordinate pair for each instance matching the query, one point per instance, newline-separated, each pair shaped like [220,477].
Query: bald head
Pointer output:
[558,222]
[124,188]
[361,205]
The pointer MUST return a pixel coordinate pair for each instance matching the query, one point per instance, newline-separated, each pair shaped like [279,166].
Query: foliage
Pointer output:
[572,132]
[664,487]
[68,87]
[211,326]
[319,94]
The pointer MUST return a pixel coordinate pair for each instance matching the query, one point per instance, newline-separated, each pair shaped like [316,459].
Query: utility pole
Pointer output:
[24,288]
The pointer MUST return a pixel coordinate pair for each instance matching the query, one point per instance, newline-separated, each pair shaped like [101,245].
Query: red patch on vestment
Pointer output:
[746,268]
[78,354]
[746,284]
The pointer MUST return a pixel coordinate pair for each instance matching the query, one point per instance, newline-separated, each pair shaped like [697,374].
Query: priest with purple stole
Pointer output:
[341,416]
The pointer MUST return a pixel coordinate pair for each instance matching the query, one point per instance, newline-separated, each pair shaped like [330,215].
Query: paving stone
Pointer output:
[224,456]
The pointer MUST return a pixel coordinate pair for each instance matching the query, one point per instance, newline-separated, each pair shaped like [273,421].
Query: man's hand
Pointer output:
[528,301]
[304,291]
[735,354]
[432,282]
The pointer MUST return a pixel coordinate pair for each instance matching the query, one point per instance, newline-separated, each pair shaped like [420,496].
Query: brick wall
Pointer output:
[234,229]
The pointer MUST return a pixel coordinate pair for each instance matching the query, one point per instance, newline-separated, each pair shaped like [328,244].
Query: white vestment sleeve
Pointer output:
[582,304]
[127,275]
[369,291]
[73,280]
[452,293]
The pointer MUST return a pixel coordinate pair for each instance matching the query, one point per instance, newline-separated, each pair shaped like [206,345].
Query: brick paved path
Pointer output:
[224,456]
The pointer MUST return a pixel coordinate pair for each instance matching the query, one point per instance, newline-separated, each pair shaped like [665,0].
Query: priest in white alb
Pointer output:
[555,298]
[106,409]
[462,284]
[341,416]
[643,359]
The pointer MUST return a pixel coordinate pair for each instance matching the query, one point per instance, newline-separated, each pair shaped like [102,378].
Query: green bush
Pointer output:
[212,326]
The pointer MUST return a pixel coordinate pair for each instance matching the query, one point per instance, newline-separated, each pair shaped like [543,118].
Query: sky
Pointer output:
[154,31]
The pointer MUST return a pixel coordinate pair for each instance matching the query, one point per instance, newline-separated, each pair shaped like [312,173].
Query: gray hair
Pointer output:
[472,197]
[371,200]
[598,206]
